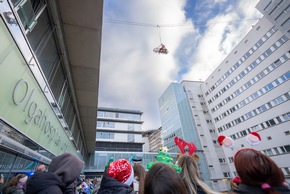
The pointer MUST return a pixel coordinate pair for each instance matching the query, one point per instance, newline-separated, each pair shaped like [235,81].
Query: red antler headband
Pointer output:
[182,144]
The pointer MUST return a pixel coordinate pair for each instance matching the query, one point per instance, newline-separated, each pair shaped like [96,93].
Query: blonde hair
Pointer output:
[191,177]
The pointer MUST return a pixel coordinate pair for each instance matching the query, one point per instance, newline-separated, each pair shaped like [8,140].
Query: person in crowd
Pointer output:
[16,185]
[62,172]
[41,168]
[191,177]
[258,174]
[97,184]
[117,178]
[163,179]
[139,176]
[2,179]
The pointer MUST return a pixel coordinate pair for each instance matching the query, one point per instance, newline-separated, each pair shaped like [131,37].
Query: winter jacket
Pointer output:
[13,190]
[45,182]
[62,172]
[110,185]
[247,189]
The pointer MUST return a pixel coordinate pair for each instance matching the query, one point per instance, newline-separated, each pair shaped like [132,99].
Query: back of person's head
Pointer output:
[18,181]
[257,169]
[67,166]
[41,168]
[191,176]
[122,171]
[163,179]
[139,174]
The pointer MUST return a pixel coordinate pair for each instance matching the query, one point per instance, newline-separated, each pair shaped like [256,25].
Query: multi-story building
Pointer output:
[49,72]
[119,130]
[214,155]
[184,114]
[249,91]
[119,134]
[152,140]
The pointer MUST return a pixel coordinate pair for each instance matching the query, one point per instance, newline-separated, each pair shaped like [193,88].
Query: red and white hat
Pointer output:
[226,141]
[122,171]
[253,138]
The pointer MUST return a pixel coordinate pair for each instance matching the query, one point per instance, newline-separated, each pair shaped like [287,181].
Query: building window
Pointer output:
[269,138]
[227,174]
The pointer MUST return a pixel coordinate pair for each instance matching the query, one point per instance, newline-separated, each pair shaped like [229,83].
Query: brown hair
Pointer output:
[190,175]
[13,182]
[139,171]
[256,169]
[163,179]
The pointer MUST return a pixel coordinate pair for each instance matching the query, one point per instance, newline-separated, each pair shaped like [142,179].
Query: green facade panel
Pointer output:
[22,102]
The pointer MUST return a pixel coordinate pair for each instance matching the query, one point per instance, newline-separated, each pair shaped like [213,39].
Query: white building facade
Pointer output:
[250,91]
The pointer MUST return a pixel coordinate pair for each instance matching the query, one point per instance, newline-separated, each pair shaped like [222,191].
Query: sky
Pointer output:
[199,34]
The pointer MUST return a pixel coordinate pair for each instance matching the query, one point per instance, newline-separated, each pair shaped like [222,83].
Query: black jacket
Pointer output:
[110,185]
[45,183]
[247,189]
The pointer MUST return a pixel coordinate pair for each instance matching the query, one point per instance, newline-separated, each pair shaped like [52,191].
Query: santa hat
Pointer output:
[122,171]
[256,134]
[253,138]
[220,139]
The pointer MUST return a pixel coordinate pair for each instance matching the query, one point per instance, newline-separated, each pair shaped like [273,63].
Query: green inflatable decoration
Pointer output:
[164,157]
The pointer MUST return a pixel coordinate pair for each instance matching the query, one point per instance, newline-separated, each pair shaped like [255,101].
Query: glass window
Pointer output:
[42,27]
[48,56]
[26,14]
[57,82]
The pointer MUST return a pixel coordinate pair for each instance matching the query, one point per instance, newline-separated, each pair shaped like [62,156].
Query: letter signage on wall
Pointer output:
[22,102]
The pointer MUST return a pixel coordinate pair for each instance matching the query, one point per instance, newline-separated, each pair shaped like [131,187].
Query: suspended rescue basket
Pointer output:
[161,49]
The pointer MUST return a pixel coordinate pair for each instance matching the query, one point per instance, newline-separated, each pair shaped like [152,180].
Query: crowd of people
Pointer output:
[257,174]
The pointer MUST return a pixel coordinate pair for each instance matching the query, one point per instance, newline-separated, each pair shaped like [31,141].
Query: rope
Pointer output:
[158,28]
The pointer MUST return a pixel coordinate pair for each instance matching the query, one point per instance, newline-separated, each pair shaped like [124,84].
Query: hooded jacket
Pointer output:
[110,185]
[62,172]
[247,189]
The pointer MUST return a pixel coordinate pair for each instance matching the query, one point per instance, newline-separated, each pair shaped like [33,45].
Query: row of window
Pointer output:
[266,124]
[254,80]
[262,57]
[275,102]
[130,116]
[105,135]
[112,125]
[242,59]
[277,150]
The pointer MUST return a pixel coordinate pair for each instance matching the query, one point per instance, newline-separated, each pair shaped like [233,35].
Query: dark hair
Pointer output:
[13,182]
[139,171]
[163,179]
[256,169]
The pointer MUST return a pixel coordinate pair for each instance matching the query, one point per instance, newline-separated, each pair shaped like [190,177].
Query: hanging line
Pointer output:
[158,28]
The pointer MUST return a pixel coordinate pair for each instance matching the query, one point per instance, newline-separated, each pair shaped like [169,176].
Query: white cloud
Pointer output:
[133,77]
[221,37]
